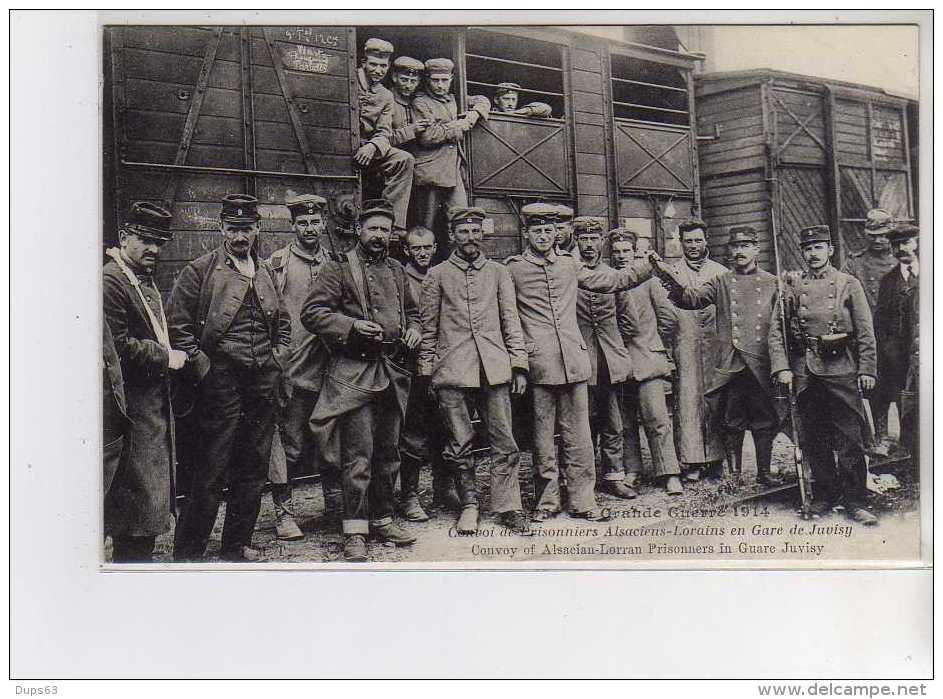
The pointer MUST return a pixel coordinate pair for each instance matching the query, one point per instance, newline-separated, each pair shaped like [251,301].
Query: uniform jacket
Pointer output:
[206,297]
[645,314]
[895,325]
[597,316]
[439,148]
[869,269]
[546,290]
[534,110]
[745,305]
[404,116]
[470,324]
[334,304]
[140,501]
[294,273]
[832,303]
[376,113]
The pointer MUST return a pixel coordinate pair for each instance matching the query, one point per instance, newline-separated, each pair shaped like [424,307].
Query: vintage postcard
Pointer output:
[512,296]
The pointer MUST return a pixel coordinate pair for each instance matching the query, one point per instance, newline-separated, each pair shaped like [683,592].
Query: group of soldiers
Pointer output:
[412,135]
[368,369]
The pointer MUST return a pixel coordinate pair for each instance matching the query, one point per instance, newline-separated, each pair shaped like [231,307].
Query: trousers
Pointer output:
[369,437]
[647,399]
[832,439]
[133,549]
[421,441]
[427,203]
[494,405]
[396,170]
[563,406]
[236,417]
[605,419]
[743,404]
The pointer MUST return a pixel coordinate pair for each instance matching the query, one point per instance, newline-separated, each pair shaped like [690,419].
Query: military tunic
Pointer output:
[694,346]
[403,126]
[869,269]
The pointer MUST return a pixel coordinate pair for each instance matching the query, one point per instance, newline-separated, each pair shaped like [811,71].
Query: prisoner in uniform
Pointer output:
[229,318]
[294,269]
[139,500]
[422,438]
[645,315]
[895,326]
[407,74]
[869,266]
[473,353]
[364,309]
[375,108]
[506,98]
[546,286]
[439,148]
[829,359]
[564,242]
[597,317]
[740,389]
[693,340]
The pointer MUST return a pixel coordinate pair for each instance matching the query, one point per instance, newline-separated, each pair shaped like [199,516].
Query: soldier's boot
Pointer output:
[444,494]
[409,506]
[286,528]
[733,443]
[763,439]
[355,548]
[881,444]
[393,534]
[468,494]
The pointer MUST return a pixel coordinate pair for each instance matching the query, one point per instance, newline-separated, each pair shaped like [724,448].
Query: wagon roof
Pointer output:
[756,75]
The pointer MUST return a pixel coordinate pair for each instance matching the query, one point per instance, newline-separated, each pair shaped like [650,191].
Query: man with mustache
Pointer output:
[422,438]
[829,360]
[473,355]
[598,318]
[363,307]
[506,96]
[139,497]
[869,266]
[546,286]
[439,147]
[645,313]
[739,390]
[895,324]
[376,108]
[227,315]
[294,269]
[693,339]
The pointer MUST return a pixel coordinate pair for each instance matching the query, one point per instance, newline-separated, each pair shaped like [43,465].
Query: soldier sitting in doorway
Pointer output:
[376,155]
[506,103]
[439,153]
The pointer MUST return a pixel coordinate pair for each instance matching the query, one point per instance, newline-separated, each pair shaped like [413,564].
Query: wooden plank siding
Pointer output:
[587,86]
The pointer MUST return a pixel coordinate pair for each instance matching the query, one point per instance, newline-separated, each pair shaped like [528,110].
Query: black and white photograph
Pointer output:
[424,295]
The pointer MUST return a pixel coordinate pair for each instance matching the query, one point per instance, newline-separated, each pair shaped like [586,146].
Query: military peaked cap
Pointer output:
[903,231]
[437,66]
[743,234]
[617,235]
[377,207]
[149,221]
[504,88]
[466,214]
[814,234]
[305,204]
[240,208]
[586,224]
[378,46]
[564,212]
[406,64]
[879,222]
[539,213]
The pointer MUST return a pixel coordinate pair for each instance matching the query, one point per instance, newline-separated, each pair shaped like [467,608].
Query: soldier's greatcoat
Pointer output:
[869,269]
[598,318]
[694,345]
[141,499]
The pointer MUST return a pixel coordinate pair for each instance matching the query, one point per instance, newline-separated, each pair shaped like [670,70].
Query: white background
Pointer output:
[68,620]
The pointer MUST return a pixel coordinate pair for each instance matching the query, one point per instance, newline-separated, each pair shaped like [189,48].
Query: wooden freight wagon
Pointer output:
[797,151]
[192,113]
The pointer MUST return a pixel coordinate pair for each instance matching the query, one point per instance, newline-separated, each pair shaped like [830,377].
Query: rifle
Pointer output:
[805,489]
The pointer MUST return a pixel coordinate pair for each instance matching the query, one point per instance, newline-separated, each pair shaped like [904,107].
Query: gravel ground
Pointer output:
[704,516]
